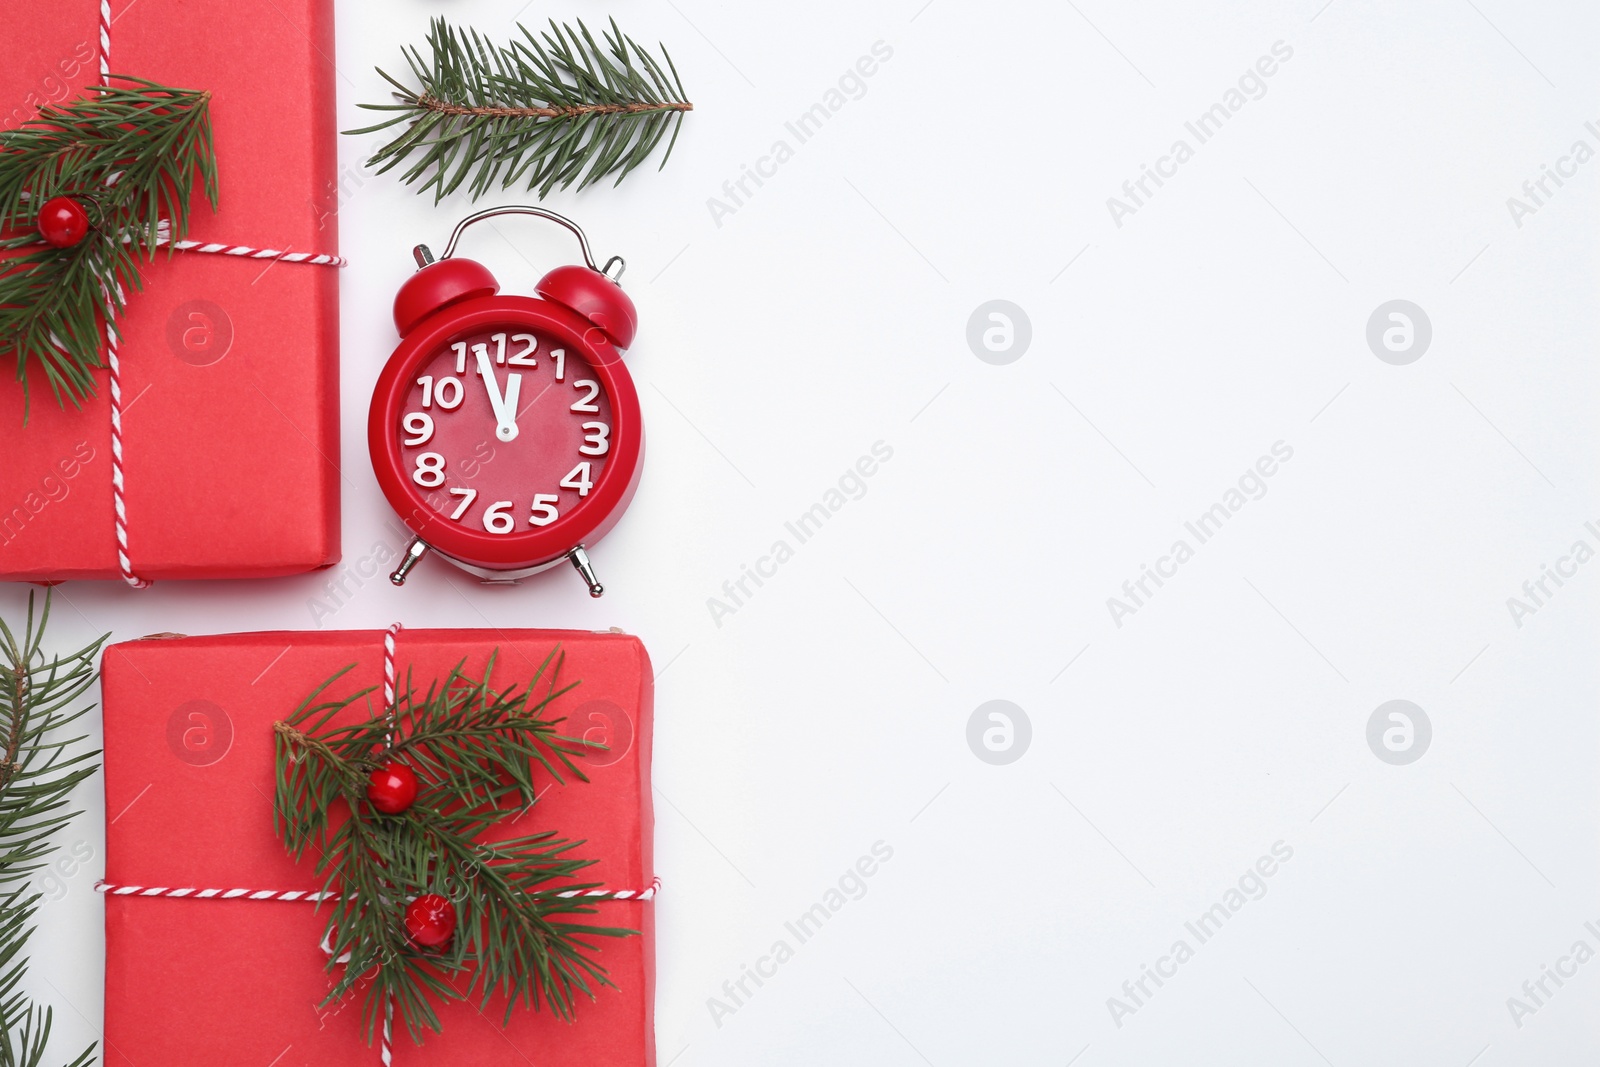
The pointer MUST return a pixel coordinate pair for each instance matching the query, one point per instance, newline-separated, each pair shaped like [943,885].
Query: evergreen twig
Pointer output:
[476,752]
[557,108]
[132,153]
[38,771]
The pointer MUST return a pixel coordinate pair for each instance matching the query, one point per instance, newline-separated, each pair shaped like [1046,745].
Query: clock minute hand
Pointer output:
[504,406]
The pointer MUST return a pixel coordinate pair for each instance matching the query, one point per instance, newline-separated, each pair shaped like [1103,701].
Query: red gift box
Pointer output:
[229,365]
[189,773]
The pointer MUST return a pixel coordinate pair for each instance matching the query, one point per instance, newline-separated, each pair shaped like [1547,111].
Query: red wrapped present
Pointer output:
[228,362]
[200,979]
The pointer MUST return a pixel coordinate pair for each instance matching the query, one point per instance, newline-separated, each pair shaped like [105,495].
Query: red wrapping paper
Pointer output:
[189,773]
[230,424]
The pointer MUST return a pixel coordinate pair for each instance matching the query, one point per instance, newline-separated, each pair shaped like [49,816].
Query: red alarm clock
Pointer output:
[505,430]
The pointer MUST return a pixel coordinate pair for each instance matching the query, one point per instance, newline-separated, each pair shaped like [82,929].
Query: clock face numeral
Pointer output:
[497,519]
[544,509]
[467,497]
[587,404]
[525,357]
[419,424]
[447,391]
[499,340]
[596,439]
[504,432]
[429,472]
[578,478]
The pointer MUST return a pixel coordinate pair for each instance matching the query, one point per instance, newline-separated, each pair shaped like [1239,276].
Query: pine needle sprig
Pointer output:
[477,753]
[552,109]
[133,153]
[38,771]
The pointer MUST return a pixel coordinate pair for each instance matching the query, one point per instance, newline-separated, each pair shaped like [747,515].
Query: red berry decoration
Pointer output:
[392,788]
[430,920]
[63,222]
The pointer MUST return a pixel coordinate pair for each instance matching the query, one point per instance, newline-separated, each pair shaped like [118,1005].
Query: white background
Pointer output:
[830,711]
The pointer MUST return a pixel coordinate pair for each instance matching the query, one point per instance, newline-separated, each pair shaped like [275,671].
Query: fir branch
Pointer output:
[38,771]
[476,752]
[557,108]
[133,154]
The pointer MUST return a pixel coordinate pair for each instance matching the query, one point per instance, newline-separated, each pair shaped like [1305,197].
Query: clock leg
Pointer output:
[414,552]
[580,560]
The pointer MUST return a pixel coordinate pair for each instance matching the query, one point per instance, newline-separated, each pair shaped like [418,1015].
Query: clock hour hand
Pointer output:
[503,405]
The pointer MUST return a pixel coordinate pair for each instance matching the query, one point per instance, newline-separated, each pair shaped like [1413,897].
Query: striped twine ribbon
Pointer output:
[118,504]
[389,637]
[313,259]
[318,896]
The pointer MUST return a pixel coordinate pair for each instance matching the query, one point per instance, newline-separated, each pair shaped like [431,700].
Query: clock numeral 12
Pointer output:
[525,357]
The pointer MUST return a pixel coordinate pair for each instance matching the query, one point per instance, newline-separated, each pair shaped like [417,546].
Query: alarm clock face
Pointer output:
[504,433]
